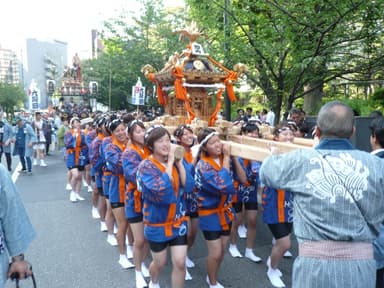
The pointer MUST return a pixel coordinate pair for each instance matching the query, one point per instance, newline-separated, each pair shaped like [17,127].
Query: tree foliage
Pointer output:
[294,47]
[131,42]
[11,97]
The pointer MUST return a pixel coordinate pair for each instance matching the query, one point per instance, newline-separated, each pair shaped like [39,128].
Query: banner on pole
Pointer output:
[138,93]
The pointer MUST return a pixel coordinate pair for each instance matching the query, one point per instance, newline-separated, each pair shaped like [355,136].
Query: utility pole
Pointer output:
[226,55]
[109,91]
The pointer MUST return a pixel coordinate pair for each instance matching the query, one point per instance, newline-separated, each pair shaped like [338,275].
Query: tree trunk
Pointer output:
[312,100]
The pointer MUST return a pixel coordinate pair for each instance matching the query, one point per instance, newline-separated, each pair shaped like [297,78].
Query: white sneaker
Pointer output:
[140,281]
[72,196]
[129,252]
[34,162]
[187,275]
[144,270]
[234,251]
[68,187]
[42,163]
[273,276]
[125,263]
[288,254]
[89,189]
[78,197]
[269,266]
[95,213]
[242,231]
[111,239]
[217,285]
[189,263]
[251,256]
[103,226]
[153,285]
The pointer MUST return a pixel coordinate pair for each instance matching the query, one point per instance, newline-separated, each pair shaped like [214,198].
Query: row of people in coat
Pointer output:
[160,201]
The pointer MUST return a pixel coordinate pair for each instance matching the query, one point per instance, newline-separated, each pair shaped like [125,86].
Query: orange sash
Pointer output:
[144,153]
[221,210]
[170,222]
[121,146]
[77,148]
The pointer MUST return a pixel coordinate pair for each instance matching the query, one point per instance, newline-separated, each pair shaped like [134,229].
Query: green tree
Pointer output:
[295,47]
[131,42]
[11,97]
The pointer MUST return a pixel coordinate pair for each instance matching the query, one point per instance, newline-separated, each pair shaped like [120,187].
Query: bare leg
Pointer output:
[178,255]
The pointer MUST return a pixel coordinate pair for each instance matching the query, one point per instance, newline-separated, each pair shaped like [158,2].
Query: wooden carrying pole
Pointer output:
[252,148]
[257,149]
[296,140]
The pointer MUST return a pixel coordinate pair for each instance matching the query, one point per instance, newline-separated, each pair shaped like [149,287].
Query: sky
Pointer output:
[69,21]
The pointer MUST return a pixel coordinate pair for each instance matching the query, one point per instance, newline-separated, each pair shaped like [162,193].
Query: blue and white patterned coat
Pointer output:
[338,196]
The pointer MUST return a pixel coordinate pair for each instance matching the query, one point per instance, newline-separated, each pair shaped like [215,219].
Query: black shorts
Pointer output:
[80,168]
[93,179]
[214,235]
[247,205]
[193,215]
[136,219]
[160,246]
[238,206]
[117,205]
[280,230]
[100,191]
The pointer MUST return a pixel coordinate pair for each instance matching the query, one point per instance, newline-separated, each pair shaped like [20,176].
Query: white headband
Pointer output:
[209,136]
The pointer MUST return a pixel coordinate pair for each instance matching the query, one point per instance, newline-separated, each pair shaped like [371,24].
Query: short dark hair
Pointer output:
[132,125]
[376,113]
[282,126]
[154,133]
[250,127]
[180,130]
[114,124]
[377,130]
[295,111]
[335,120]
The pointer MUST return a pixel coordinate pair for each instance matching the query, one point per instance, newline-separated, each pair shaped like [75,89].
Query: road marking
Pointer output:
[16,173]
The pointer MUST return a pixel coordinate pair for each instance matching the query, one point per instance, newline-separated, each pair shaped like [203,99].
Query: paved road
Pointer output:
[71,252]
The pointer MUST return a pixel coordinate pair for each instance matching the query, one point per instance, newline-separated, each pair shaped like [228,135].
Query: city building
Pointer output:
[46,61]
[10,67]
